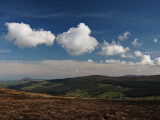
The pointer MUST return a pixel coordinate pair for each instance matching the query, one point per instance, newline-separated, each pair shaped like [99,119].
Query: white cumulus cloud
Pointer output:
[157,61]
[138,53]
[112,49]
[146,60]
[124,36]
[135,43]
[77,41]
[24,36]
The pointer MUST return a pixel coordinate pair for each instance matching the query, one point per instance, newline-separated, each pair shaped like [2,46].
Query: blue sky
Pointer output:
[120,33]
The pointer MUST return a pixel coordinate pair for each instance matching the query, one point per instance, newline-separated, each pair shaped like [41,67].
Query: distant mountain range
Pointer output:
[95,86]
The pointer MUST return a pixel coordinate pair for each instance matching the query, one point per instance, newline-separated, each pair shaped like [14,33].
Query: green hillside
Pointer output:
[126,87]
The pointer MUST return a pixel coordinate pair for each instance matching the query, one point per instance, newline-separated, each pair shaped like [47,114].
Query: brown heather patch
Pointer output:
[16,105]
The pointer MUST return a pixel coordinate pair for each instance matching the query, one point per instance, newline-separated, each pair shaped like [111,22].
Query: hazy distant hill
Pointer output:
[96,86]
[29,79]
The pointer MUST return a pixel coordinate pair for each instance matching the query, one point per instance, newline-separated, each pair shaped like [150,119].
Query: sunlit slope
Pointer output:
[10,93]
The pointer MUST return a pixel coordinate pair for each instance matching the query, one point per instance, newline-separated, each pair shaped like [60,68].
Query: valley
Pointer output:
[95,86]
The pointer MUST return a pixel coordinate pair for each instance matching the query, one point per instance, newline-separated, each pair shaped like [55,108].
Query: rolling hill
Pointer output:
[19,105]
[96,86]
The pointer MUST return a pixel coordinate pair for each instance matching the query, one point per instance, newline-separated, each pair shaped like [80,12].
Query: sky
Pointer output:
[51,39]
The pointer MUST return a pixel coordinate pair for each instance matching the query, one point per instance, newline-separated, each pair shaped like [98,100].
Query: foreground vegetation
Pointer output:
[17,105]
[126,87]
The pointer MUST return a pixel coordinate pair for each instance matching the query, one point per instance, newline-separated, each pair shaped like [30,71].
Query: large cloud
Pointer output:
[112,49]
[24,36]
[146,60]
[77,41]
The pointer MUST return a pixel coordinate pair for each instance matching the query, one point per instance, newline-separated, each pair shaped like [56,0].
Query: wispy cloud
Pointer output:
[135,43]
[5,51]
[50,15]
[108,14]
[124,36]
[154,53]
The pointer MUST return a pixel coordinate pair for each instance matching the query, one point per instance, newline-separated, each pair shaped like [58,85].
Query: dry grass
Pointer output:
[27,106]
